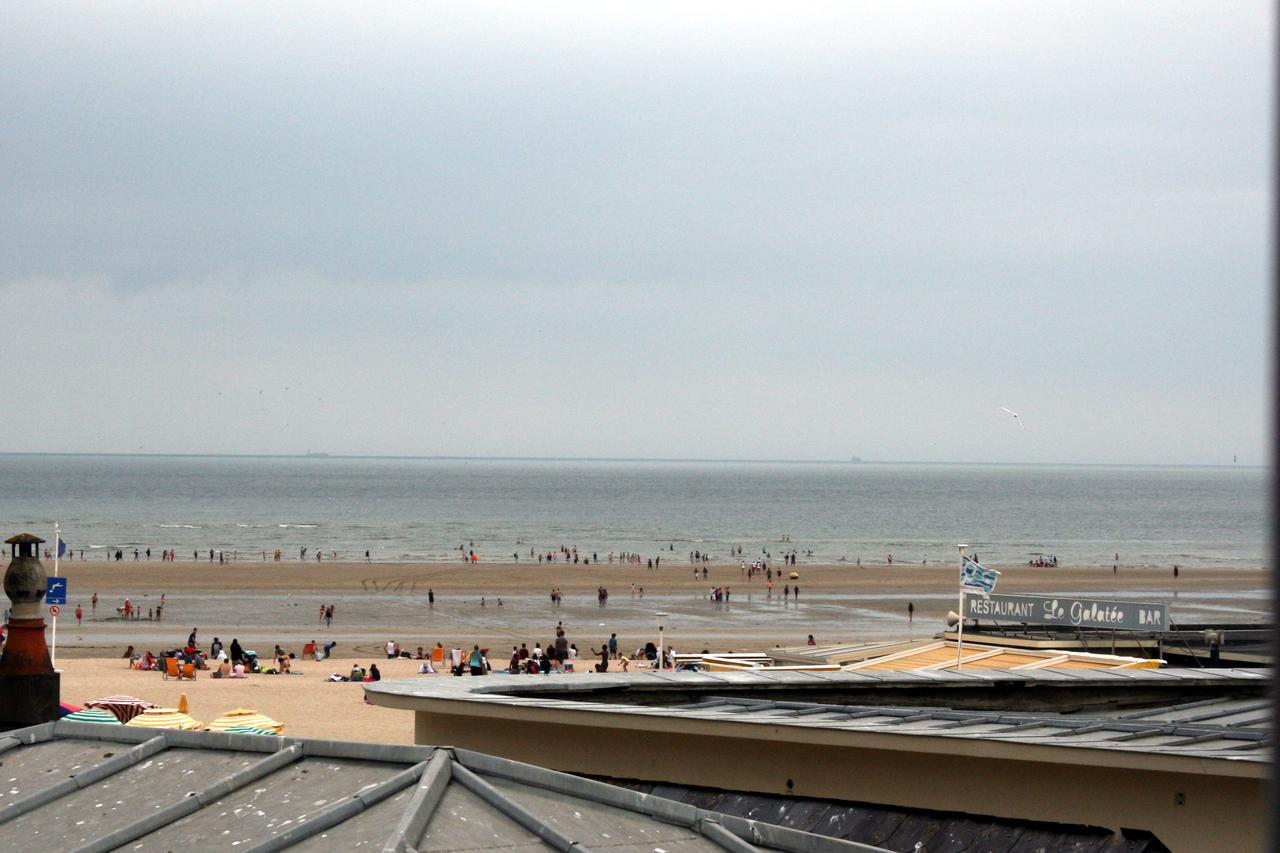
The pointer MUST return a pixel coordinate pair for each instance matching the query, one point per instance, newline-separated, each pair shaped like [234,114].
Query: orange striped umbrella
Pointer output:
[165,718]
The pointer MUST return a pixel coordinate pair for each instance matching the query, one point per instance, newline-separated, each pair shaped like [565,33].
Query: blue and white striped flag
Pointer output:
[974,576]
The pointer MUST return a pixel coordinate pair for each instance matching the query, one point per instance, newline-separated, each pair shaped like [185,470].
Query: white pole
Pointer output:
[53,651]
[960,624]
[662,650]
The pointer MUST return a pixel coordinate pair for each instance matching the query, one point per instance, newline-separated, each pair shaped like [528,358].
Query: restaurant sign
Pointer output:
[1072,612]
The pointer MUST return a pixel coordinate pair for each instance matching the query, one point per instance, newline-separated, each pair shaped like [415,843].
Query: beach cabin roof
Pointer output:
[86,786]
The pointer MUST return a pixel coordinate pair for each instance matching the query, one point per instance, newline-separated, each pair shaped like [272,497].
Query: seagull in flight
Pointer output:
[1017,417]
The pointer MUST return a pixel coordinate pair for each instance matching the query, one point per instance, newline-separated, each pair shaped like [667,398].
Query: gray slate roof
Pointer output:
[1237,729]
[1241,732]
[89,787]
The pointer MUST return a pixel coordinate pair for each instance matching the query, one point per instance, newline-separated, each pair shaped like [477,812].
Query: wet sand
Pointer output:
[262,604]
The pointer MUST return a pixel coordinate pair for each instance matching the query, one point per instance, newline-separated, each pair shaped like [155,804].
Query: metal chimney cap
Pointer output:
[24,539]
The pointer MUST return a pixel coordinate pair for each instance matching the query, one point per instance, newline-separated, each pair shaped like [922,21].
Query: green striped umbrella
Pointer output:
[93,715]
[250,730]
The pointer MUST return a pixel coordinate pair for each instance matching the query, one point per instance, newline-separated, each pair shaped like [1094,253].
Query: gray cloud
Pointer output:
[714,232]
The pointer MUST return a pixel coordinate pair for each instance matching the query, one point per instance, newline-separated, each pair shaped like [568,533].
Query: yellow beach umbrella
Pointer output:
[164,718]
[245,717]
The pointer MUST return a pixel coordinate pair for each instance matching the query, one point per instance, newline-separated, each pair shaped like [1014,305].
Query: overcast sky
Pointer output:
[724,231]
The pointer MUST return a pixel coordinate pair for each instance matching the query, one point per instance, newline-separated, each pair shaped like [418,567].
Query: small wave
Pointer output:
[297,525]
[182,526]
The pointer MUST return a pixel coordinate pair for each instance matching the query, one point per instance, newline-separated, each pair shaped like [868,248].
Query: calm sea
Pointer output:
[424,509]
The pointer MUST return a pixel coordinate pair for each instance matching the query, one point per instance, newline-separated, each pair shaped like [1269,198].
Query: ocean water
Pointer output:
[423,509]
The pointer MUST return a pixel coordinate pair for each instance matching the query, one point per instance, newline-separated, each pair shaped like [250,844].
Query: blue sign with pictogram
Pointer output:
[55,591]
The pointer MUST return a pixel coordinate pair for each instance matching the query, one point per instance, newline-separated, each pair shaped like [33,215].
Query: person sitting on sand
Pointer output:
[357,673]
[420,655]
[238,671]
[224,667]
[374,674]
[603,666]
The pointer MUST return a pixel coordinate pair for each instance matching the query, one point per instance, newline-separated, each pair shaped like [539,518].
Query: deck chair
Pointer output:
[189,671]
[437,655]
[309,649]
[171,669]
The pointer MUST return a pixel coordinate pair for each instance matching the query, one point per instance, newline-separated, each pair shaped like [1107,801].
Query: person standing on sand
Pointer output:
[93,602]
[431,597]
[79,615]
[328,616]
[321,619]
[562,650]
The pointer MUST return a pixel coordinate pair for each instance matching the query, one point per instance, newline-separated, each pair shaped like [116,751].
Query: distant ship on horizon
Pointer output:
[855,458]
[311,454]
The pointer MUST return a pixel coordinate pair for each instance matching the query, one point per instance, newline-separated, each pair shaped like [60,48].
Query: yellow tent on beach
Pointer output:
[165,718]
[245,717]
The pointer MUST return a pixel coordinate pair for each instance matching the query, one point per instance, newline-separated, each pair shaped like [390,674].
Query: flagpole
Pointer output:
[57,541]
[960,624]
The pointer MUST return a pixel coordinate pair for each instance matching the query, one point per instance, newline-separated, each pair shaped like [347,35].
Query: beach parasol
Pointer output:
[124,707]
[65,708]
[165,718]
[249,730]
[93,715]
[245,717]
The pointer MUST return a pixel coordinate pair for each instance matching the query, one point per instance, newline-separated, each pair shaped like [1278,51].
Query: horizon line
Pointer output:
[648,459]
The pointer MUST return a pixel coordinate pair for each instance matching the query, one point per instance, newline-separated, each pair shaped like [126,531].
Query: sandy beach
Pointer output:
[262,604]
